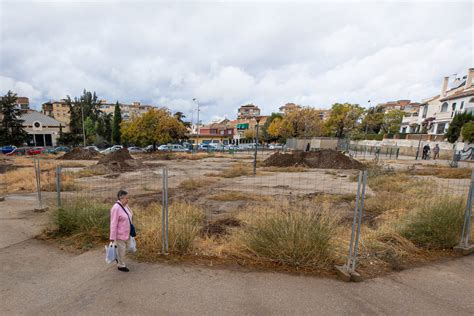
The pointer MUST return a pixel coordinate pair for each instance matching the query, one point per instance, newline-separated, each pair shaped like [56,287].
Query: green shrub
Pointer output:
[436,224]
[86,220]
[290,237]
[467,132]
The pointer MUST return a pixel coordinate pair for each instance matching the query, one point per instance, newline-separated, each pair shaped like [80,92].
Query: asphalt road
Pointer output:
[38,278]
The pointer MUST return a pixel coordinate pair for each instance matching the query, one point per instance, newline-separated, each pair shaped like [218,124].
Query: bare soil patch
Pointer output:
[81,154]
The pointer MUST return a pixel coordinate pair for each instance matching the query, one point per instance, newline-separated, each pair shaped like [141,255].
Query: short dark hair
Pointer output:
[121,194]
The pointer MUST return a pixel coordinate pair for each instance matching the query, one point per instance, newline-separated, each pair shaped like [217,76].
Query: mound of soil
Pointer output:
[324,159]
[219,227]
[81,154]
[118,161]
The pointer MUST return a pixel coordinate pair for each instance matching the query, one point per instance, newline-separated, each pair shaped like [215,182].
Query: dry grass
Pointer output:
[436,224]
[86,172]
[291,234]
[445,173]
[237,170]
[185,221]
[23,179]
[238,196]
[192,184]
[285,169]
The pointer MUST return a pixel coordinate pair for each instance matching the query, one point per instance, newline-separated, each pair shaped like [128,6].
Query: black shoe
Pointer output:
[123,269]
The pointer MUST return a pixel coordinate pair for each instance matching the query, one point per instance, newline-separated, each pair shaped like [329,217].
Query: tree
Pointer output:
[373,120]
[157,126]
[343,119]
[392,121]
[180,117]
[265,134]
[90,129]
[454,129]
[467,132]
[116,134]
[300,122]
[11,128]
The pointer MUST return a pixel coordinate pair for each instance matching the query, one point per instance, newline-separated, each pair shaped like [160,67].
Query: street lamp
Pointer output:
[197,126]
[255,152]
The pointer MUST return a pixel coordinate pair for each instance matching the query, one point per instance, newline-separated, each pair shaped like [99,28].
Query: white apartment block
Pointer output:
[436,113]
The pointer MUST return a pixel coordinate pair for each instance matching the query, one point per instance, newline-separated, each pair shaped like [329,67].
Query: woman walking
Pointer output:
[120,224]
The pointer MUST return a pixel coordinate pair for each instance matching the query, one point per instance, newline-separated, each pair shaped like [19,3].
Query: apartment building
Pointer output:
[248,111]
[59,110]
[221,132]
[127,110]
[435,113]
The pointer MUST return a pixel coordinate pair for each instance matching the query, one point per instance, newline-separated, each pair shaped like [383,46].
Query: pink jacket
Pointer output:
[119,224]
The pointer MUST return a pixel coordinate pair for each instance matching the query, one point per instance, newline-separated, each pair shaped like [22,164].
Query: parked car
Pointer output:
[35,151]
[8,149]
[173,147]
[135,150]
[111,149]
[275,146]
[21,151]
[207,147]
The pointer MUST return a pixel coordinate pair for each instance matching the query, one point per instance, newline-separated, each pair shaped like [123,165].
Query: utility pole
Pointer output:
[256,148]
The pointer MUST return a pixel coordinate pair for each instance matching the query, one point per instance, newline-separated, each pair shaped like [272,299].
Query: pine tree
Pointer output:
[116,124]
[11,127]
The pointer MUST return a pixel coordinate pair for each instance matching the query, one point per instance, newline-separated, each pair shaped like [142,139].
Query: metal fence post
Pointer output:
[359,222]
[36,163]
[350,256]
[167,215]
[164,213]
[58,185]
[464,245]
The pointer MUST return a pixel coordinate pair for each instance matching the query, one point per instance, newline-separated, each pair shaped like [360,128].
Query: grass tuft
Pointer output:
[436,224]
[85,220]
[289,235]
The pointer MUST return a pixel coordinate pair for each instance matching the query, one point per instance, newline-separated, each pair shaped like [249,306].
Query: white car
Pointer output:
[111,149]
[276,146]
[173,147]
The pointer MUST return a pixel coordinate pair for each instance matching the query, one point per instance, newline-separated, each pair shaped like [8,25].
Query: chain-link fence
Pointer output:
[222,206]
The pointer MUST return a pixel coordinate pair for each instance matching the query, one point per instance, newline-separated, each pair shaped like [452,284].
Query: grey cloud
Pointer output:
[228,54]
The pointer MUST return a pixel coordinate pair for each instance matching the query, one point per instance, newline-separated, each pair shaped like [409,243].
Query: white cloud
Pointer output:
[229,54]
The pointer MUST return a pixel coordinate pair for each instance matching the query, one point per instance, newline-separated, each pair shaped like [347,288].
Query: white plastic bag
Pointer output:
[111,252]
[132,245]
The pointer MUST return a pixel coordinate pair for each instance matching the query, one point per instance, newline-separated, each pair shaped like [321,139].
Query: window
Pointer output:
[213,131]
[462,105]
[440,128]
[444,107]
[222,132]
[453,107]
[425,111]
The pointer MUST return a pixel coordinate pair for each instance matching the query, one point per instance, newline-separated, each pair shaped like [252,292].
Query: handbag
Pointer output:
[133,233]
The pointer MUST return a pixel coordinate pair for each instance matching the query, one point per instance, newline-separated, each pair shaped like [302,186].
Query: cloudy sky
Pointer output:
[227,54]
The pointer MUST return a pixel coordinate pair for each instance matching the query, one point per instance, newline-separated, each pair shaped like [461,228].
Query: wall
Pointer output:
[408,147]
[315,143]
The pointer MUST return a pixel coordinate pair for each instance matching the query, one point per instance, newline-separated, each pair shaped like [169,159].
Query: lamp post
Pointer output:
[197,124]
[256,148]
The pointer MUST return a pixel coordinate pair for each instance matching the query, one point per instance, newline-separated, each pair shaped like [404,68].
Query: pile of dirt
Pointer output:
[323,159]
[118,161]
[81,154]
[219,227]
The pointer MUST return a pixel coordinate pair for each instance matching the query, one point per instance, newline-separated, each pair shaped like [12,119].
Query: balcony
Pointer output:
[443,116]
[410,120]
